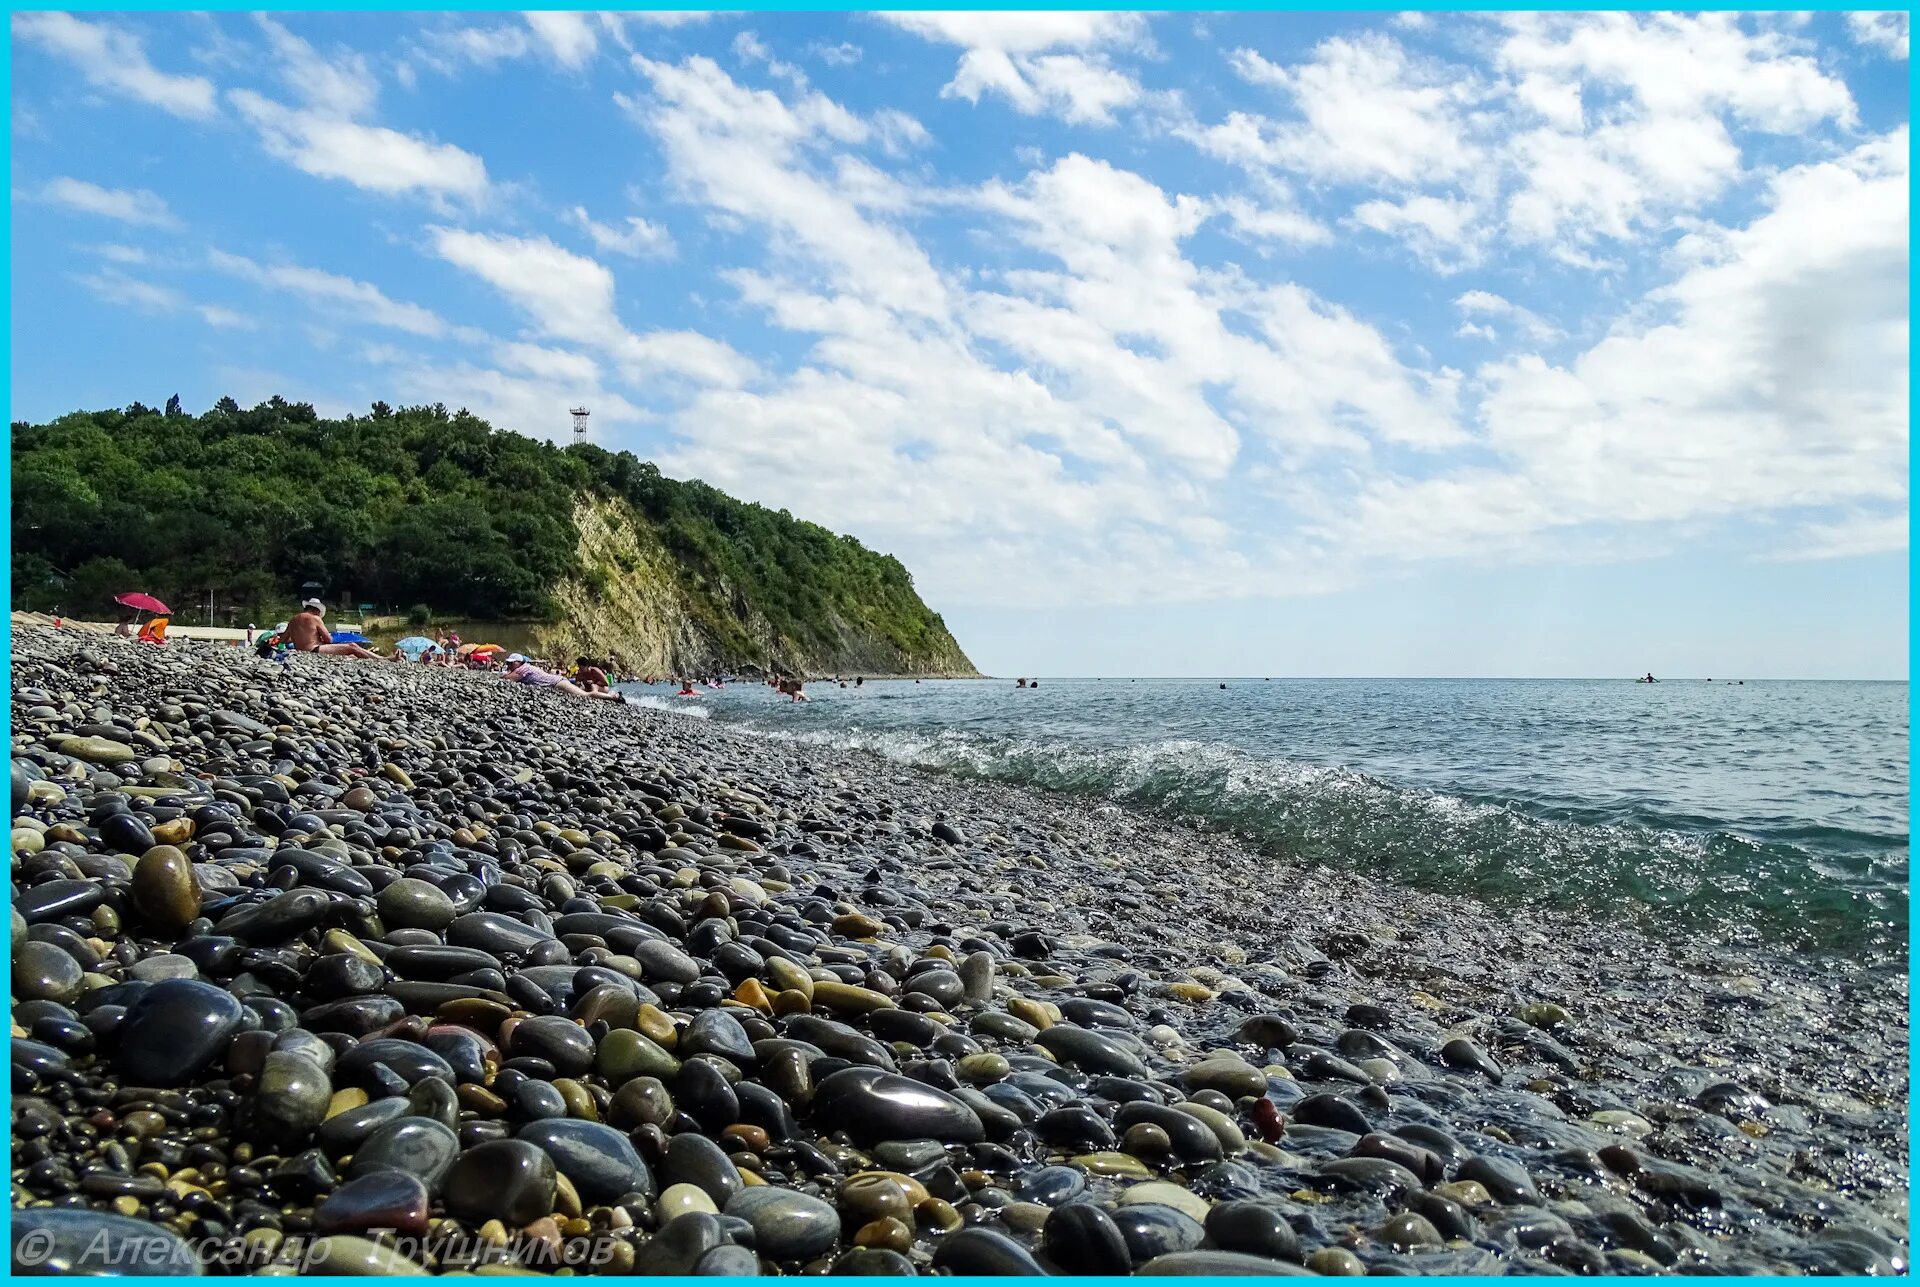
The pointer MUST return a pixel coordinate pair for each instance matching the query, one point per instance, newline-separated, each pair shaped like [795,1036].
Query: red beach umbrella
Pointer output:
[142,602]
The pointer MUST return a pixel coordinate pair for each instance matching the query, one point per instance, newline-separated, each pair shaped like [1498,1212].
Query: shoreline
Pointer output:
[1604,1040]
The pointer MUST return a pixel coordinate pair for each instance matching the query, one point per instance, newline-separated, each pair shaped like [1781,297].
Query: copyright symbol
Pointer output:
[33,1249]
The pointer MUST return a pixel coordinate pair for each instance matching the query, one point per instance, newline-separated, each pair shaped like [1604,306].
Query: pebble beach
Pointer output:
[353,967]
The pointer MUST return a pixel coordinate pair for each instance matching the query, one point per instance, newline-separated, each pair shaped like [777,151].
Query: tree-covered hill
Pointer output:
[422,506]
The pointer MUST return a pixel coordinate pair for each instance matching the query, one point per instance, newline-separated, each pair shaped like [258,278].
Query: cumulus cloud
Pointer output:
[1886,32]
[1770,379]
[1041,63]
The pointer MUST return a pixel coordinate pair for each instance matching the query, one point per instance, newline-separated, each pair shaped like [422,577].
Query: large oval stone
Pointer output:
[872,1105]
[175,1029]
[600,1161]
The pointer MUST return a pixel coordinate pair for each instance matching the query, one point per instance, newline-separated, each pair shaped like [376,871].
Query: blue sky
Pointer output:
[1155,344]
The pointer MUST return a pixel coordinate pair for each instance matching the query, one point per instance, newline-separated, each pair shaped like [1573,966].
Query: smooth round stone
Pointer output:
[1336,1262]
[979,1250]
[625,1054]
[1508,1182]
[1331,1110]
[715,1032]
[1052,1185]
[64,1240]
[601,1162]
[417,1145]
[681,1199]
[1255,1228]
[983,1069]
[944,986]
[872,1262]
[384,1200]
[51,900]
[1153,1229]
[560,1041]
[787,1225]
[163,965]
[496,933]
[409,1060]
[349,1127]
[508,1180]
[164,891]
[1407,1231]
[872,1106]
[728,1262]
[1199,1264]
[45,972]
[1082,1238]
[665,962]
[1095,1052]
[696,1160]
[277,920]
[173,1031]
[1161,1193]
[705,1095]
[1233,1078]
[414,904]
[290,1098]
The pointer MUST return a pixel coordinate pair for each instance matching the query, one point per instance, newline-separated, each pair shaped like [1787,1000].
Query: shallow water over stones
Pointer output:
[352,947]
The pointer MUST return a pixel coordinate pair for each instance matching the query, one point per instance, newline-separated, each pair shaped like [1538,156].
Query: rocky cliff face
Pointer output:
[634,597]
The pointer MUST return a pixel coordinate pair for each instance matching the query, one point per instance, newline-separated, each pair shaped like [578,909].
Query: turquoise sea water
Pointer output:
[1769,812]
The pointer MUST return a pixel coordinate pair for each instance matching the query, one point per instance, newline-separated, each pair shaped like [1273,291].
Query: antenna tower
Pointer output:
[580,415]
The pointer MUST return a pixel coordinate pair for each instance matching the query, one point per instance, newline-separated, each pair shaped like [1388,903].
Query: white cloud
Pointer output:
[741,151]
[115,60]
[1886,32]
[1368,112]
[363,301]
[1059,416]
[341,86]
[570,298]
[1443,232]
[372,157]
[842,54]
[1056,63]
[123,291]
[1847,537]
[638,239]
[1769,377]
[128,205]
[1480,303]
[569,37]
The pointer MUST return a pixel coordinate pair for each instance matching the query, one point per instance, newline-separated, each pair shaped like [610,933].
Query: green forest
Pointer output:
[407,508]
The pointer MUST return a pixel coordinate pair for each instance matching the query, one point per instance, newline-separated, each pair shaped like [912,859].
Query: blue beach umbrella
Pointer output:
[414,645]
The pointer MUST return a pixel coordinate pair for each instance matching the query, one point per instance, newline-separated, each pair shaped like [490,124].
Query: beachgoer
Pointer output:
[522,671]
[858,680]
[686,689]
[251,632]
[308,632]
[125,628]
[590,676]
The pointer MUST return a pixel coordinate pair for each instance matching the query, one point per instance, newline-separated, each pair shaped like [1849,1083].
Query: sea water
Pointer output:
[1766,812]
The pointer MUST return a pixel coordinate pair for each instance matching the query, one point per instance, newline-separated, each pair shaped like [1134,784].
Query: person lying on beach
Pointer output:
[522,671]
[308,633]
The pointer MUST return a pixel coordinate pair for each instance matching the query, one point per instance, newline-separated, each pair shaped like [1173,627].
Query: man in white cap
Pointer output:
[520,670]
[308,633]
